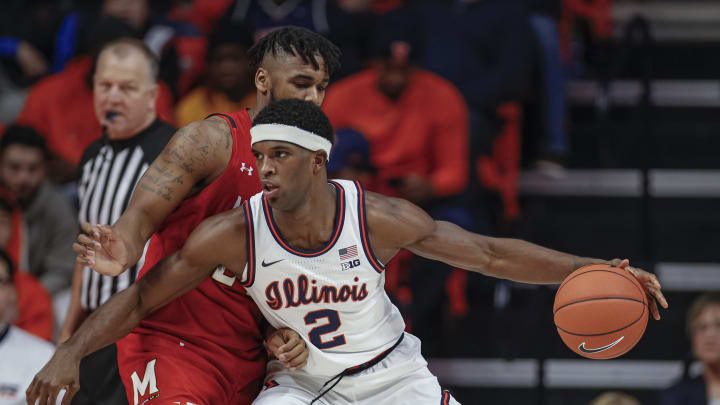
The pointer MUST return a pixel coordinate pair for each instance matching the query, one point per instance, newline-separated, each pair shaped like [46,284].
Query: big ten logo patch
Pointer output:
[147,384]
[349,265]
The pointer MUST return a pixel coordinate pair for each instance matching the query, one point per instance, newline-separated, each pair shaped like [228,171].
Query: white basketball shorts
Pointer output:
[402,378]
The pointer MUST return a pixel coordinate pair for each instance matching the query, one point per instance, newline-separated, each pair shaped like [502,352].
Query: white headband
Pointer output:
[287,133]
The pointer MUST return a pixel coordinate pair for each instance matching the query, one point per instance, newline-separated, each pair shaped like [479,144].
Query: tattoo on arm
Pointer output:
[158,180]
[189,153]
[228,139]
[164,192]
[222,127]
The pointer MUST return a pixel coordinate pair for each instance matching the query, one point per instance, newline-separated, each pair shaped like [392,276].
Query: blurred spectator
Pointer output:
[22,354]
[201,13]
[134,12]
[703,327]
[228,84]
[350,158]
[417,126]
[345,23]
[615,398]
[47,212]
[544,16]
[125,93]
[497,52]
[31,61]
[24,51]
[159,32]
[415,122]
[60,106]
[13,230]
[191,51]
[34,304]
[486,48]
[32,65]
[168,39]
[26,38]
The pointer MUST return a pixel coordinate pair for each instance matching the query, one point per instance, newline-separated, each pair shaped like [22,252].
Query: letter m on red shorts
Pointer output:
[148,382]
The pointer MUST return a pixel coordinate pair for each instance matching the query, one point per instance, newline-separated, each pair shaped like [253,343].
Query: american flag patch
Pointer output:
[348,252]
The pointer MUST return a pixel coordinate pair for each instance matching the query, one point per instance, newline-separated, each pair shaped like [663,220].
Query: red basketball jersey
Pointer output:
[217,319]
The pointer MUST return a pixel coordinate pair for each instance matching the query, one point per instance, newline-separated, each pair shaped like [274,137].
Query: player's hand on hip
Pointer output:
[61,372]
[100,248]
[650,283]
[288,347]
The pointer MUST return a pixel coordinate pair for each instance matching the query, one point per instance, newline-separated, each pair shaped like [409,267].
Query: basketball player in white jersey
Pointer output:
[311,252]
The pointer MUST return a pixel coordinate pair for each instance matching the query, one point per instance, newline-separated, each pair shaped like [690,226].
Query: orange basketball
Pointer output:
[600,311]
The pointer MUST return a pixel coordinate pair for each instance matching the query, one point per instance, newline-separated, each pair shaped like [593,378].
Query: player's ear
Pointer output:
[262,80]
[319,161]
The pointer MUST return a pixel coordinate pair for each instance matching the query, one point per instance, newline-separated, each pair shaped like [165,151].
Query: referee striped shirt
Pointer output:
[110,170]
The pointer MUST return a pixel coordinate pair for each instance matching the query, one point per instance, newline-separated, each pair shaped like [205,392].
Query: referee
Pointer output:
[124,93]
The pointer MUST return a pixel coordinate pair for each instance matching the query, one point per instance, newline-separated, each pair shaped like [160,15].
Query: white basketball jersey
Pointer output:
[334,296]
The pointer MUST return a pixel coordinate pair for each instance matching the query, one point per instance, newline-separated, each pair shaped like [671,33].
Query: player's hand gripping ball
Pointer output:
[600,311]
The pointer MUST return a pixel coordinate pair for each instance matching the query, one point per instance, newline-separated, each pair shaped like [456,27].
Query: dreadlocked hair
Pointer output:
[297,42]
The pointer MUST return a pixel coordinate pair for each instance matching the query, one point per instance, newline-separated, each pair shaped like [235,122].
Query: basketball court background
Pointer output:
[643,183]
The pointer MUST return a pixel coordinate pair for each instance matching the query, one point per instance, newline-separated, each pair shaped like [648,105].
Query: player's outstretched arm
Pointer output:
[195,156]
[400,224]
[218,240]
[396,224]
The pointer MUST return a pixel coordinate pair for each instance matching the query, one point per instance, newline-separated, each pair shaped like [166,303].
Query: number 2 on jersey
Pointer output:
[333,324]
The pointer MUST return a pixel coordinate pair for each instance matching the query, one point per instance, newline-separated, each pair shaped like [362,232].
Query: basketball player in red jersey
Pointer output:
[205,346]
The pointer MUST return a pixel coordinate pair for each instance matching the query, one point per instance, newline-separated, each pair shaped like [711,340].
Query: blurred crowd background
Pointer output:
[589,126]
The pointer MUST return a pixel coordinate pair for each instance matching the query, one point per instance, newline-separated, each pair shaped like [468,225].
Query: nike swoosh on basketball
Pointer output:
[583,349]
[271,263]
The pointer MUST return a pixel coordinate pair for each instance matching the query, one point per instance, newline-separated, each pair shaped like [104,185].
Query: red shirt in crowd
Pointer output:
[33,300]
[424,132]
[34,305]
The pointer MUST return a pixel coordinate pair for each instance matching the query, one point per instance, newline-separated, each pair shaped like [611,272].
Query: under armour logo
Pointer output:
[248,169]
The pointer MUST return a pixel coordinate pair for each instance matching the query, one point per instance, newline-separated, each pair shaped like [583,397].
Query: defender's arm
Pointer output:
[195,156]
[219,240]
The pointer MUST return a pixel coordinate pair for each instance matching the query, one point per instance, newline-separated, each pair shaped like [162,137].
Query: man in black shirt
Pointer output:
[124,93]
